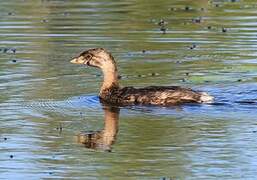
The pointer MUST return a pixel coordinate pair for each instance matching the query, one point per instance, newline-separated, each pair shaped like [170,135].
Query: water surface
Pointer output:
[45,101]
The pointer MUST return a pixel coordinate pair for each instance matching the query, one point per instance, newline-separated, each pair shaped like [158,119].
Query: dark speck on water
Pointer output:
[166,178]
[197,20]
[44,21]
[5,138]
[193,46]
[224,30]
[187,8]
[13,50]
[154,74]
[163,29]
[5,50]
[65,13]
[14,60]
[11,156]
[60,128]
[162,22]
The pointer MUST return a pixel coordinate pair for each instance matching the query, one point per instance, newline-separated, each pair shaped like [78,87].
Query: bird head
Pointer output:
[97,57]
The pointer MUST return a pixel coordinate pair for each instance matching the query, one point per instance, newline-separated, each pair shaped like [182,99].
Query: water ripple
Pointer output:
[69,106]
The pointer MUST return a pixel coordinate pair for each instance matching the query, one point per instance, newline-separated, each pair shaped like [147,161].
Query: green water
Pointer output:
[45,101]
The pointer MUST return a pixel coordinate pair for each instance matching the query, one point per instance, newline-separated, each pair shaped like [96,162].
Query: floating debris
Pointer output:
[66,13]
[153,74]
[44,21]
[13,50]
[162,22]
[187,8]
[163,29]
[14,60]
[197,20]
[193,46]
[5,50]
[141,75]
[60,128]
[11,156]
[224,30]
[172,9]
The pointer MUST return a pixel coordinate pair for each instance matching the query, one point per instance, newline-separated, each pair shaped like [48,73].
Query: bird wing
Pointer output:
[161,95]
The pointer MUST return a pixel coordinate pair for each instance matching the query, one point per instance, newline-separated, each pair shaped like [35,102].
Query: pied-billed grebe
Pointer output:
[112,93]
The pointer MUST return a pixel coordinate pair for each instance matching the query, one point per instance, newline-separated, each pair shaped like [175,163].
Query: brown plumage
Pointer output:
[111,92]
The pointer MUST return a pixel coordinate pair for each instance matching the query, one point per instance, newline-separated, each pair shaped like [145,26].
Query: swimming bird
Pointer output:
[111,92]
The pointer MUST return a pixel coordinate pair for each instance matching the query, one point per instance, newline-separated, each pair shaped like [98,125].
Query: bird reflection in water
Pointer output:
[103,139]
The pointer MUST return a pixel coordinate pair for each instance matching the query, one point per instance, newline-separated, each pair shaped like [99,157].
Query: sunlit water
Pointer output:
[45,101]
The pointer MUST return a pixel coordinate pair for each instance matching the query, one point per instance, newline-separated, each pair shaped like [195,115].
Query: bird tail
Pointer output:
[206,98]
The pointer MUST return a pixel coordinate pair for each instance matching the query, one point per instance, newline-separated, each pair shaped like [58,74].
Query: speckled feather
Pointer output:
[152,95]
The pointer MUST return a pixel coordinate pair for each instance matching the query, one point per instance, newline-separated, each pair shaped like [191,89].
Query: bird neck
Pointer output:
[110,82]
